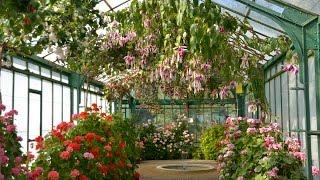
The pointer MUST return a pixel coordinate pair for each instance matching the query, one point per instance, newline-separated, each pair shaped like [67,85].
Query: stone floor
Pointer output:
[148,171]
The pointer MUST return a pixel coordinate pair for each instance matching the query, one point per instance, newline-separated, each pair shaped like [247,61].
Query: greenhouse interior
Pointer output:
[159,89]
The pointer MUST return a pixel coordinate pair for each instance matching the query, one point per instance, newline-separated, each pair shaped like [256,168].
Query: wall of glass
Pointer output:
[285,96]
[44,95]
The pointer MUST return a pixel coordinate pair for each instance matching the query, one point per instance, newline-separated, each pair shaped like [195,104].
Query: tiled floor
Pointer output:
[148,171]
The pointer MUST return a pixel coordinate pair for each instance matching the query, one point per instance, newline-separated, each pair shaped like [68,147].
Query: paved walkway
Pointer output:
[148,171]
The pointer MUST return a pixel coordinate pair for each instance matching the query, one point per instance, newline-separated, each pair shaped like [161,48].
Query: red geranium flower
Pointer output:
[136,176]
[83,115]
[74,146]
[39,139]
[53,175]
[65,155]
[122,144]
[95,151]
[78,139]
[67,142]
[83,177]
[103,169]
[90,136]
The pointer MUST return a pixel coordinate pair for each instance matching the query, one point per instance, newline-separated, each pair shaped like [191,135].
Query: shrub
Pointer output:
[256,151]
[174,141]
[11,159]
[210,141]
[94,148]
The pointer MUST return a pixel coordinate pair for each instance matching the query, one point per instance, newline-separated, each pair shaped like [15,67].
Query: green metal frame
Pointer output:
[303,28]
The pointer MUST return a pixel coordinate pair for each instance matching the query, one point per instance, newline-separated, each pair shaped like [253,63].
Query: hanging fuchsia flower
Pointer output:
[2,107]
[315,171]
[129,59]
[206,66]
[182,50]
[224,92]
[294,69]
[147,23]
[131,35]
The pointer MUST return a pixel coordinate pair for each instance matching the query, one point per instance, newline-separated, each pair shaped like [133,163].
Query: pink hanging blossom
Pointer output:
[129,59]
[315,171]
[291,68]
[2,107]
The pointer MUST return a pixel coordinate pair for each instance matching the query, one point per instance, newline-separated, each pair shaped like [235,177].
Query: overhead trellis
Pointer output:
[186,47]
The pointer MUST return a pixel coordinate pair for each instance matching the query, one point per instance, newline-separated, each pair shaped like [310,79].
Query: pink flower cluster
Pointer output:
[315,171]
[291,68]
[241,131]
[294,147]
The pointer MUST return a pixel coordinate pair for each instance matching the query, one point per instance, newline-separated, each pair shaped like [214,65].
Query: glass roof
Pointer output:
[309,5]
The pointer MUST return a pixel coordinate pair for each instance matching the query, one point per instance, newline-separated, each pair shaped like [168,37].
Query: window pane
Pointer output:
[45,72]
[7,88]
[56,76]
[75,101]
[35,83]
[34,115]
[66,103]
[20,64]
[21,105]
[65,79]
[46,107]
[33,68]
[57,104]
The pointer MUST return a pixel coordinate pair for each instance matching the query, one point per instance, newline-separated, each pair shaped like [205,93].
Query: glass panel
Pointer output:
[35,83]
[34,115]
[270,5]
[33,68]
[65,79]
[45,72]
[56,76]
[46,107]
[6,88]
[315,150]
[312,94]
[57,104]
[20,64]
[272,101]
[21,105]
[66,103]
[75,101]
[293,102]
[285,102]
[278,100]
[82,106]
[301,106]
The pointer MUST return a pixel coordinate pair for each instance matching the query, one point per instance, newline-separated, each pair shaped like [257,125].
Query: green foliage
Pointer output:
[252,150]
[210,141]
[100,146]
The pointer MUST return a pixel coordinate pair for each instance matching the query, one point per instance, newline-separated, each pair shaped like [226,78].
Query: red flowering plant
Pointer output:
[252,150]
[11,158]
[88,150]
